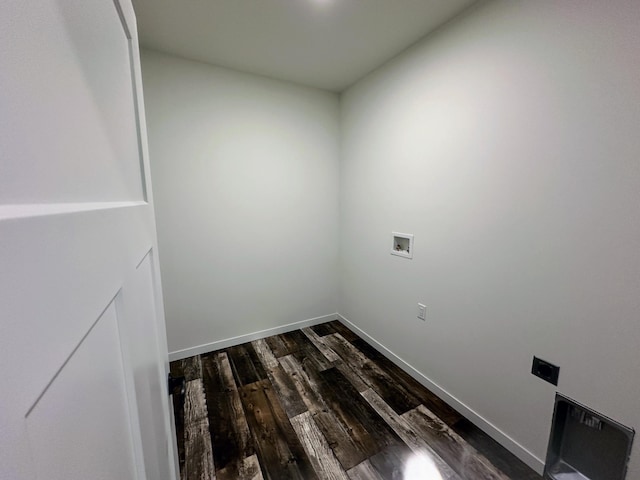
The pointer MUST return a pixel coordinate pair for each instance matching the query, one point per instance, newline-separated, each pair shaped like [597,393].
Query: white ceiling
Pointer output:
[328,44]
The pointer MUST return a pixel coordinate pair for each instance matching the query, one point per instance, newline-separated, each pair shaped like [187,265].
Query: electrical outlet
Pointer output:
[422,311]
[545,370]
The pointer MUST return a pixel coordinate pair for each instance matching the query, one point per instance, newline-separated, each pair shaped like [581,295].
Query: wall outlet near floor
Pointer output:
[545,370]
[422,311]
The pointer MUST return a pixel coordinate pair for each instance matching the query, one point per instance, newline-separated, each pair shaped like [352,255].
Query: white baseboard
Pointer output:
[494,432]
[249,337]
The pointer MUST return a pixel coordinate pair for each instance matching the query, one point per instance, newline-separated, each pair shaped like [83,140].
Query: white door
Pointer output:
[83,354]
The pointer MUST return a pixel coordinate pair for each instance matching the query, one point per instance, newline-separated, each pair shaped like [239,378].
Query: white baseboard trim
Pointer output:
[249,337]
[494,432]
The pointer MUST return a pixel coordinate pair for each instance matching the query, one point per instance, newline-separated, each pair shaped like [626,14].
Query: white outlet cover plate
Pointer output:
[422,311]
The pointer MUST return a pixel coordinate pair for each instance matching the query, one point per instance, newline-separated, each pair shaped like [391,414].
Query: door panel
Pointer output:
[85,404]
[84,391]
[75,95]
[72,264]
[141,339]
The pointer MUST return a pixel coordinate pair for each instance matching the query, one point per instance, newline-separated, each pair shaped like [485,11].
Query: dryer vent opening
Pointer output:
[586,445]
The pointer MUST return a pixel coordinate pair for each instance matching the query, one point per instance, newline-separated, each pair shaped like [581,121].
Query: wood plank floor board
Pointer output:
[197,448]
[352,375]
[265,354]
[407,433]
[246,365]
[367,429]
[192,368]
[340,328]
[277,346]
[308,352]
[189,368]
[315,444]
[322,403]
[426,397]
[293,341]
[364,471]
[451,447]
[248,470]
[279,450]
[394,394]
[390,463]
[513,467]
[323,329]
[284,387]
[321,345]
[229,431]
[337,436]
[287,393]
[299,455]
[176,369]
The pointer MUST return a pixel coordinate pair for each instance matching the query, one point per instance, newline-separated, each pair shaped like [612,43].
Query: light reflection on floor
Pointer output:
[421,467]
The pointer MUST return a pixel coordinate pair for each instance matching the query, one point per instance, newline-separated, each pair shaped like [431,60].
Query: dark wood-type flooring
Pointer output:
[321,403]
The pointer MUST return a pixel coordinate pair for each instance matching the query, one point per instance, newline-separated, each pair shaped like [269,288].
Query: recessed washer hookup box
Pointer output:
[586,445]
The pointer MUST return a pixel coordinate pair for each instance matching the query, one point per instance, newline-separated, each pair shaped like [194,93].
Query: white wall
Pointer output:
[508,142]
[246,190]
